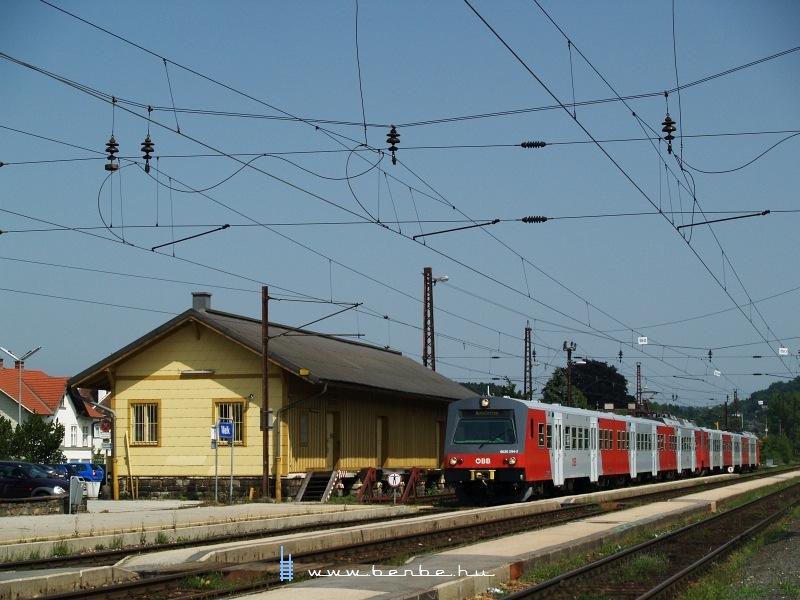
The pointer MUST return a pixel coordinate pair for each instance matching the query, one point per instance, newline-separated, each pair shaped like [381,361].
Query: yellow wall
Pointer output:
[411,425]
[186,414]
[186,404]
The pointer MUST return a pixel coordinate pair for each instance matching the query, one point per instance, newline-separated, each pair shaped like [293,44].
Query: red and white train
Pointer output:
[501,450]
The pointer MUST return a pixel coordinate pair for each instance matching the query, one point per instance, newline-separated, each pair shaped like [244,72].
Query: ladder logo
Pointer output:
[286,568]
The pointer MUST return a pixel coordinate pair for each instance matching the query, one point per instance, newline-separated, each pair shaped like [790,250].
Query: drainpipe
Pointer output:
[277,436]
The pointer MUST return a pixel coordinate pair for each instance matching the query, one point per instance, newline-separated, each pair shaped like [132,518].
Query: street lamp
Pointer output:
[21,362]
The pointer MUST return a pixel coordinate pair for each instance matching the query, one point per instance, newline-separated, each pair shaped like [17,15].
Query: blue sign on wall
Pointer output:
[226,431]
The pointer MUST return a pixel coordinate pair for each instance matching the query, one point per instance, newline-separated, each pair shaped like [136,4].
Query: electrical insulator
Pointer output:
[710,354]
[112,148]
[533,144]
[147,148]
[393,138]
[534,219]
[620,356]
[669,127]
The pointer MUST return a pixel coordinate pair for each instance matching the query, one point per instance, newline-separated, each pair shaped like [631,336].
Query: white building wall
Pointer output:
[78,432]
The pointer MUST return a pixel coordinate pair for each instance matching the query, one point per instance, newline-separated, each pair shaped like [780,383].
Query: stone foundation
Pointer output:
[40,505]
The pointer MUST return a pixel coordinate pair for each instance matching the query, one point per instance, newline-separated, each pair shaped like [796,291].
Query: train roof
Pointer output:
[666,419]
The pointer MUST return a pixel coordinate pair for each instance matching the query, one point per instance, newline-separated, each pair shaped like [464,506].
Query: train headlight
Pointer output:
[484,403]
[512,460]
[453,461]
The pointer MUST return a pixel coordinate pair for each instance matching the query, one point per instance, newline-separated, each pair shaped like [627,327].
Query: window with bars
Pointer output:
[144,423]
[232,412]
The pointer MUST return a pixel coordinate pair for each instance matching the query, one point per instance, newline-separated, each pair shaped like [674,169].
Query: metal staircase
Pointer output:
[317,486]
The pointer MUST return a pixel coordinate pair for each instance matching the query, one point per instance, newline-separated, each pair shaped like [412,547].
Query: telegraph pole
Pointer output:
[265,394]
[428,350]
[527,386]
[569,348]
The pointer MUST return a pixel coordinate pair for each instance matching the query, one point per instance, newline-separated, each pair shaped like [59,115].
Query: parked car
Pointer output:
[89,471]
[25,480]
[56,471]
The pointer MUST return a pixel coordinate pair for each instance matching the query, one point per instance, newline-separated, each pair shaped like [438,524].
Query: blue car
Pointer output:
[89,471]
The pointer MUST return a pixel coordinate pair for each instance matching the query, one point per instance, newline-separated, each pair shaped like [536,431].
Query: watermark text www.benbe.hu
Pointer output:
[287,571]
[419,571]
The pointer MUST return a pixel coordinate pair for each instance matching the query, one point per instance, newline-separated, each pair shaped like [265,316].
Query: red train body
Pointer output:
[508,450]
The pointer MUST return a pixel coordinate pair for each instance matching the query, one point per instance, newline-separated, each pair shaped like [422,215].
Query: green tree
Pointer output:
[507,389]
[783,414]
[555,390]
[601,384]
[777,447]
[38,441]
[6,439]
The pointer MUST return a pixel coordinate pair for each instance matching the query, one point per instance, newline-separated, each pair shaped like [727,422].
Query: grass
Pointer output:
[725,581]
[208,581]
[643,566]
[60,549]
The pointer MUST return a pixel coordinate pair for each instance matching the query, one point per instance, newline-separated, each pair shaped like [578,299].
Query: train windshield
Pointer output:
[478,427]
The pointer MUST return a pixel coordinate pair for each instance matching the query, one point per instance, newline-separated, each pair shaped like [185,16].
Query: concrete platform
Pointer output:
[113,524]
[467,572]
[453,574]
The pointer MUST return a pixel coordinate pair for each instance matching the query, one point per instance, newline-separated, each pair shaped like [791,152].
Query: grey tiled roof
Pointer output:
[327,359]
[338,361]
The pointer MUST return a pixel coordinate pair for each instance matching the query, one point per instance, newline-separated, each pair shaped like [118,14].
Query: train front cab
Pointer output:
[495,449]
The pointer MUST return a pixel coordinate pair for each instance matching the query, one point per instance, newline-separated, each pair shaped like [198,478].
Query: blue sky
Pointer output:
[272,118]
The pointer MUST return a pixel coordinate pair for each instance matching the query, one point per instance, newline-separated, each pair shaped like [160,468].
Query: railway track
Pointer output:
[660,567]
[242,578]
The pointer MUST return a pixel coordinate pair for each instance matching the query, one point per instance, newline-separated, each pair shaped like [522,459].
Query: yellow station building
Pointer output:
[333,406]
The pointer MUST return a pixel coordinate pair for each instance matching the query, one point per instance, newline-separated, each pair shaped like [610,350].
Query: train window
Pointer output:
[541,435]
[586,438]
[567,438]
[485,430]
[549,436]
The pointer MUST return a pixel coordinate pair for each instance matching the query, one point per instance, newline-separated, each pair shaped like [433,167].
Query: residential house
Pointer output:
[46,396]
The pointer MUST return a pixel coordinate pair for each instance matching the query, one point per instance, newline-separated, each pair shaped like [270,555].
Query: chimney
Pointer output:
[18,364]
[201,300]
[1,362]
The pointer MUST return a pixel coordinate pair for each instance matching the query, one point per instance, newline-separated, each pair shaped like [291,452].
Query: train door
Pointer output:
[654,458]
[593,451]
[632,449]
[558,449]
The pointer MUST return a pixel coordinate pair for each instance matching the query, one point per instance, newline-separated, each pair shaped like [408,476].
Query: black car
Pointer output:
[25,480]
[55,471]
